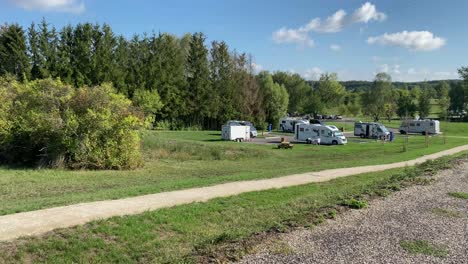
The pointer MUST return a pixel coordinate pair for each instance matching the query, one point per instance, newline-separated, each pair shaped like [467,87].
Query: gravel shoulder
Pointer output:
[373,235]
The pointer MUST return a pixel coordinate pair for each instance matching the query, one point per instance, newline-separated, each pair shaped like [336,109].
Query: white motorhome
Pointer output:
[420,127]
[288,124]
[235,133]
[319,134]
[371,130]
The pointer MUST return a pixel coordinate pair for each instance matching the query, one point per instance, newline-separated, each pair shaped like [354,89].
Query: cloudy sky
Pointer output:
[411,40]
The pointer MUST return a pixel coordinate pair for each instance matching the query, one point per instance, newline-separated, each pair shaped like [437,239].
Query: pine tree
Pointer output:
[104,43]
[81,58]
[13,51]
[168,72]
[64,55]
[199,82]
[33,49]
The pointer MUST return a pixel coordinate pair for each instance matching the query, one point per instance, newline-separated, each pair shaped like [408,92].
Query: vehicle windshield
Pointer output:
[338,134]
[384,129]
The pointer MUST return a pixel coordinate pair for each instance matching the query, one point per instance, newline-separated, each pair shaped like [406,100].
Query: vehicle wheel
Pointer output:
[402,132]
[362,136]
[423,133]
[334,142]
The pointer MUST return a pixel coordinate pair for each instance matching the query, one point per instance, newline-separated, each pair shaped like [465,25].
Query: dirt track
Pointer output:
[41,221]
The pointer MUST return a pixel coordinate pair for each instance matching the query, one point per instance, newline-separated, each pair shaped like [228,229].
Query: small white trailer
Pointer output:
[319,134]
[288,124]
[235,133]
[371,130]
[420,127]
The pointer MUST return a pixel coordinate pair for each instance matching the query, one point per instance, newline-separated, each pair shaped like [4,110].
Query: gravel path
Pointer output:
[373,235]
[41,221]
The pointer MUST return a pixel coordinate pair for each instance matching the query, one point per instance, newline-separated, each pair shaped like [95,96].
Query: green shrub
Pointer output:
[48,124]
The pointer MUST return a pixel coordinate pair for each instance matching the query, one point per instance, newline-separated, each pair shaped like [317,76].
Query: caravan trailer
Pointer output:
[420,127]
[319,134]
[288,124]
[371,130]
[235,133]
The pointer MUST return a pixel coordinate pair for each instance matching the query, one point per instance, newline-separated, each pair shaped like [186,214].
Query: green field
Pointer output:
[178,160]
[220,229]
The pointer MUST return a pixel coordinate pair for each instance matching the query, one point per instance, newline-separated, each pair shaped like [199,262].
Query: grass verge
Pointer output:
[222,229]
[177,160]
[423,247]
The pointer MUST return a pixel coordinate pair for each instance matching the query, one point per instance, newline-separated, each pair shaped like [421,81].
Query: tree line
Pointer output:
[184,82]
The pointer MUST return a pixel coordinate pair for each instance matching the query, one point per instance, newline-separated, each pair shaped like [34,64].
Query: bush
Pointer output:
[48,124]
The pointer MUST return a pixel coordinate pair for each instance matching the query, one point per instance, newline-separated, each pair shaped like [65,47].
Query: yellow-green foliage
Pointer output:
[47,123]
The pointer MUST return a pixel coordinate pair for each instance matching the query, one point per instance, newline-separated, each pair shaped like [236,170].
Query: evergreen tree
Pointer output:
[104,43]
[13,51]
[121,63]
[200,93]
[33,49]
[168,76]
[81,52]
[64,55]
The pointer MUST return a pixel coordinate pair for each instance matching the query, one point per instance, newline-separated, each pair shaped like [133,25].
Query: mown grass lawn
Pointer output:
[221,228]
[177,160]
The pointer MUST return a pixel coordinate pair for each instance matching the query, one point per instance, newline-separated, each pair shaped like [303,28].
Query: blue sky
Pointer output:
[411,40]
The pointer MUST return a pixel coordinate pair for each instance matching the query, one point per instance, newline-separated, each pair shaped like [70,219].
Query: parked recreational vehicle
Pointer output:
[420,127]
[371,130]
[235,133]
[319,134]
[288,124]
[253,130]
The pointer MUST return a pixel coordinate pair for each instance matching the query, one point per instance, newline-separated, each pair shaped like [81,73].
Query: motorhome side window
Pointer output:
[358,126]
[411,124]
[432,124]
[284,122]
[301,129]
[418,124]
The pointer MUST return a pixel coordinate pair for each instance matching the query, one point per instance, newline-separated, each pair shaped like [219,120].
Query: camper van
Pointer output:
[235,133]
[288,124]
[420,127]
[371,130]
[319,134]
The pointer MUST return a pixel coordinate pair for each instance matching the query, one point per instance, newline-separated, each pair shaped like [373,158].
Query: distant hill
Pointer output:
[364,85]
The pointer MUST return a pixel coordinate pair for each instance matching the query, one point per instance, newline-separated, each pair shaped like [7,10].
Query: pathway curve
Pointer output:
[41,221]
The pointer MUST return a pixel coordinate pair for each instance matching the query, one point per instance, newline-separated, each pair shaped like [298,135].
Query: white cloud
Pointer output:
[413,40]
[366,13]
[68,6]
[335,47]
[291,36]
[332,24]
[313,73]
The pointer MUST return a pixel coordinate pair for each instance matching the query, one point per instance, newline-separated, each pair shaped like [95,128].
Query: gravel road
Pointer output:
[373,235]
